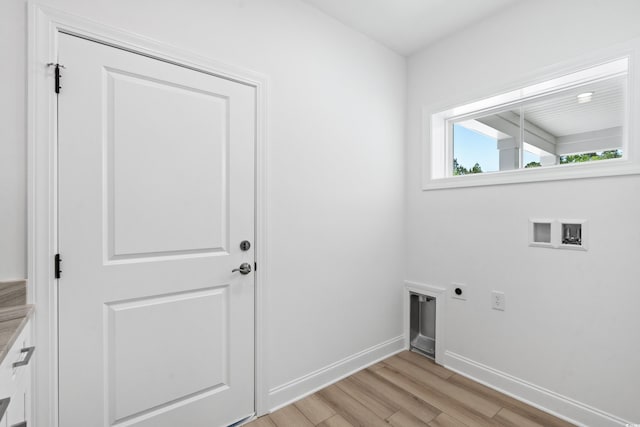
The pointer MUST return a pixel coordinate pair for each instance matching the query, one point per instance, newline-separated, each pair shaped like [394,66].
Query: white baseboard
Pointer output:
[556,404]
[300,387]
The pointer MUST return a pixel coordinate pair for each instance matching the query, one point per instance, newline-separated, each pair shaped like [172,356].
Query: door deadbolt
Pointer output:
[245,245]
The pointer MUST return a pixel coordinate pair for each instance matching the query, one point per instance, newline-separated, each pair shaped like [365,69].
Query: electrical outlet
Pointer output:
[458,291]
[498,300]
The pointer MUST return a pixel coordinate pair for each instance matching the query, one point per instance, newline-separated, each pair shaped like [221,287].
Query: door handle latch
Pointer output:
[245,268]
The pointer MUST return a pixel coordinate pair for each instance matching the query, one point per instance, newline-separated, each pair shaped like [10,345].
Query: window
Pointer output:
[571,126]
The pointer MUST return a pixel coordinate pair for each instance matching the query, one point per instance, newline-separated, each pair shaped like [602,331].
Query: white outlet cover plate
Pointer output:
[498,300]
[463,287]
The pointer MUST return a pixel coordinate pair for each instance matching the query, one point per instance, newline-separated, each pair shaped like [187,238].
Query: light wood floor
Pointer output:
[407,390]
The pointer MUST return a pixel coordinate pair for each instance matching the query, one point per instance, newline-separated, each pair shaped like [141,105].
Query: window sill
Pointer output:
[602,168]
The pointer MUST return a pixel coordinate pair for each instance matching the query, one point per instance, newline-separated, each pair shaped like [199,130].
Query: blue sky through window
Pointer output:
[529,157]
[471,147]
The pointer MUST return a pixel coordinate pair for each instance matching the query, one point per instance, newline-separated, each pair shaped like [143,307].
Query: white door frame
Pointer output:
[45,24]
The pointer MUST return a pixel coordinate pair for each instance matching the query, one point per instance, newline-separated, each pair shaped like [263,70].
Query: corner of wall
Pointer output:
[301,387]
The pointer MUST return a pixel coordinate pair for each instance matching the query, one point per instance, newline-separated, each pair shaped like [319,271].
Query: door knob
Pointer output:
[245,268]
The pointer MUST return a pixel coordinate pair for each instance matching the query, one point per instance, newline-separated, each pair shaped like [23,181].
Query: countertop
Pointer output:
[14,313]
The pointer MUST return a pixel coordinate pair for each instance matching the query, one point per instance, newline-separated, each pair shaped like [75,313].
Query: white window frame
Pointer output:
[436,138]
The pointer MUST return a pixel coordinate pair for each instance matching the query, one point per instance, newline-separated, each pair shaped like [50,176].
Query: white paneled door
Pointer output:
[156,194]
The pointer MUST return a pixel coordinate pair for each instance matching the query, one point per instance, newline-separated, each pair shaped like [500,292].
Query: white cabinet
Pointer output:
[15,381]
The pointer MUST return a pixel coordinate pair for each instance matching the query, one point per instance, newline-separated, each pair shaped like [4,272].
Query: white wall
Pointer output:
[336,180]
[13,161]
[336,164]
[571,323]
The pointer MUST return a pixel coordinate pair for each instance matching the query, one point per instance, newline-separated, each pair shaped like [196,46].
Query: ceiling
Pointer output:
[406,26]
[563,115]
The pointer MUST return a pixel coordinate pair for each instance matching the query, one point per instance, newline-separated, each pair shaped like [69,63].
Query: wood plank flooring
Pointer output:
[408,390]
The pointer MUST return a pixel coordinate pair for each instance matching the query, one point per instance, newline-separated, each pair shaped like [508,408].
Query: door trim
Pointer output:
[44,26]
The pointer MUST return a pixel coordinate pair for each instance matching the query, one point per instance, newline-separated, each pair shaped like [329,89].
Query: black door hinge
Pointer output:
[57,75]
[57,260]
[255,266]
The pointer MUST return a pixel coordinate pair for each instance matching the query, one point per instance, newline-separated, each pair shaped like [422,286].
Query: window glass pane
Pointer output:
[486,144]
[531,159]
[583,124]
[579,117]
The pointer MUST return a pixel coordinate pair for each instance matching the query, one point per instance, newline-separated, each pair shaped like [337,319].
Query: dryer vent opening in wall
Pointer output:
[422,324]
